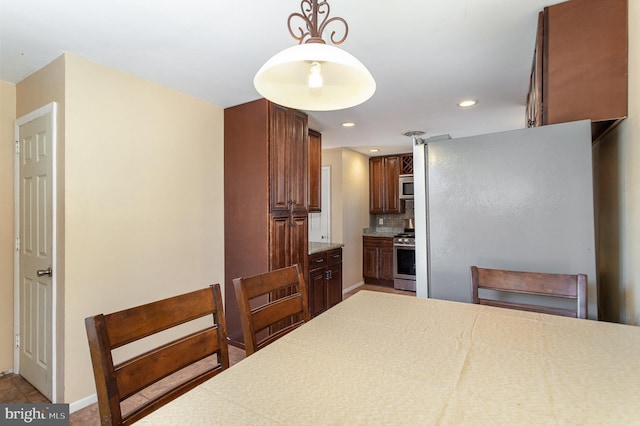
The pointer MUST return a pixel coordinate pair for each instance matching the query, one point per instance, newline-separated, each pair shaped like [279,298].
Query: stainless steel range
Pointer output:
[404,261]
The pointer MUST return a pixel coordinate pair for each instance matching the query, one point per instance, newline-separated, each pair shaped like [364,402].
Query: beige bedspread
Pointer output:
[384,359]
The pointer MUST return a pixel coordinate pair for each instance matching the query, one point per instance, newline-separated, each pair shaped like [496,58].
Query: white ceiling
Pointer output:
[425,55]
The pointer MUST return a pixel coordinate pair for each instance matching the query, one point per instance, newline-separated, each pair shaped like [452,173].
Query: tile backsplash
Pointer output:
[395,221]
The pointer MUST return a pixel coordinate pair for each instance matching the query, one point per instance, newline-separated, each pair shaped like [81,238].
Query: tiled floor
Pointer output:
[13,388]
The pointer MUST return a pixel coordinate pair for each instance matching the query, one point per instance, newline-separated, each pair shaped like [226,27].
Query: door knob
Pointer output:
[43,272]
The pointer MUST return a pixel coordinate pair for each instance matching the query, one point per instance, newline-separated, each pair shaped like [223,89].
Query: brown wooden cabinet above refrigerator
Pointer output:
[580,65]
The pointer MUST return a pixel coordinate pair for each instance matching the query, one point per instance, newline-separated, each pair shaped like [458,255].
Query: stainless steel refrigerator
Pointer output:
[520,200]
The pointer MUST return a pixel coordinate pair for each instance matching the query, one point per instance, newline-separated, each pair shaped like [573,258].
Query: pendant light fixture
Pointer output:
[313,75]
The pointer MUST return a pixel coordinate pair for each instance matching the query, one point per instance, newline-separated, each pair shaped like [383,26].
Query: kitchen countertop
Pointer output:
[315,247]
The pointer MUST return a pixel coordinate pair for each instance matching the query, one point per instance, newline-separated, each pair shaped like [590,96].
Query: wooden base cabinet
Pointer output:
[324,280]
[377,260]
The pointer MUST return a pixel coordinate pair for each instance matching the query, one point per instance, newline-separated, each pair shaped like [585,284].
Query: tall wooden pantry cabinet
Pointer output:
[265,195]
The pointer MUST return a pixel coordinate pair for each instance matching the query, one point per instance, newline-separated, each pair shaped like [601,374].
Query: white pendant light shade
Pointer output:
[315,77]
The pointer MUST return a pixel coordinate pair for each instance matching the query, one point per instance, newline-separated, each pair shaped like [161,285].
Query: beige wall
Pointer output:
[617,177]
[333,159]
[7,120]
[355,192]
[143,219]
[349,207]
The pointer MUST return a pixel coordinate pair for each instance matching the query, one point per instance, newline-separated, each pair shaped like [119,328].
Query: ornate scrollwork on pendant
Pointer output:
[310,10]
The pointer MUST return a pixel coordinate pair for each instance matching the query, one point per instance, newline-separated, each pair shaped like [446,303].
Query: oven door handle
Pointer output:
[405,245]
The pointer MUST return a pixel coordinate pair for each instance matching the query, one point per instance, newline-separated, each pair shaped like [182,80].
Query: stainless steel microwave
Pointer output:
[406,187]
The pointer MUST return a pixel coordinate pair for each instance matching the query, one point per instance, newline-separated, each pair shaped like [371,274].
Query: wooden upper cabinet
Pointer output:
[279,135]
[315,171]
[376,183]
[384,185]
[392,184]
[288,159]
[584,48]
[406,164]
[299,159]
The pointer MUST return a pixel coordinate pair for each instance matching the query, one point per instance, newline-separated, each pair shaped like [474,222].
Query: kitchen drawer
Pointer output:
[318,260]
[383,242]
[334,257]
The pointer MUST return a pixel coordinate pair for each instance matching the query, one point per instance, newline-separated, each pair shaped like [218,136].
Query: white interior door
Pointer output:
[36,152]
[319,223]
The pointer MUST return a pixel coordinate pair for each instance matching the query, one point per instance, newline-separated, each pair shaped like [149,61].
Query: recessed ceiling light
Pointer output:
[348,124]
[374,150]
[467,103]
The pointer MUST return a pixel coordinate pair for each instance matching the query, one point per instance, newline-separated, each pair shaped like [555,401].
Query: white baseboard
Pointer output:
[84,402]
[353,287]
[4,373]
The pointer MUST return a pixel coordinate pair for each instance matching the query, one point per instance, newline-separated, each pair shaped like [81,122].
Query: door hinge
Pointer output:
[17,340]
[17,244]
[17,147]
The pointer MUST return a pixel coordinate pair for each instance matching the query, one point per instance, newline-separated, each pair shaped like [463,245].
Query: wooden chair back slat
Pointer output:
[566,286]
[271,281]
[277,310]
[142,371]
[143,321]
[286,308]
[117,382]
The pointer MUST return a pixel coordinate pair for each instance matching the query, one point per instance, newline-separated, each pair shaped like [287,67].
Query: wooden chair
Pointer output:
[534,283]
[116,383]
[271,305]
